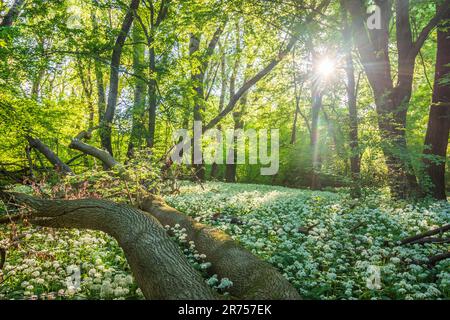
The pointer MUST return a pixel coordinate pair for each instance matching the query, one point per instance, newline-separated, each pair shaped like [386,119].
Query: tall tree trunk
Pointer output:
[436,139]
[137,113]
[106,125]
[316,106]
[87,89]
[197,79]
[223,88]
[315,147]
[297,94]
[155,22]
[101,97]
[99,79]
[37,82]
[392,101]
[152,99]
[355,161]
[294,124]
[40,72]
[230,168]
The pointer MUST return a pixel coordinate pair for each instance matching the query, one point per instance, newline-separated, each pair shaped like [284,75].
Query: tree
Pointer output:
[137,112]
[392,99]
[355,161]
[316,106]
[100,84]
[231,168]
[317,92]
[269,67]
[106,125]
[155,22]
[223,88]
[198,79]
[436,139]
[159,266]
[297,95]
[86,83]
[50,155]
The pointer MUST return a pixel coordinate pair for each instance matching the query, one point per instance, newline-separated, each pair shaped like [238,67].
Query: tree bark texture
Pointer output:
[252,278]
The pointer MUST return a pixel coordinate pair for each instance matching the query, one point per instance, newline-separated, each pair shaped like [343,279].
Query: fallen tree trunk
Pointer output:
[252,278]
[50,155]
[160,268]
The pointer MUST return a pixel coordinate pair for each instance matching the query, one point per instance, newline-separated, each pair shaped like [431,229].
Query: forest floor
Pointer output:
[326,244]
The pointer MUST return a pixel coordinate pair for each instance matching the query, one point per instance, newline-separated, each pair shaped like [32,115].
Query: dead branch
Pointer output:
[50,155]
[425,234]
[75,158]
[433,260]
[307,230]
[357,226]
[431,240]
[86,135]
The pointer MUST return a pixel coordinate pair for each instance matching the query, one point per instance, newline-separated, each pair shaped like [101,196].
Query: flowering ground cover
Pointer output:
[326,244]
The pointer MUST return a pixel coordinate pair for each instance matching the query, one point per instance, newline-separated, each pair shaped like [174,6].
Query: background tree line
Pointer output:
[128,73]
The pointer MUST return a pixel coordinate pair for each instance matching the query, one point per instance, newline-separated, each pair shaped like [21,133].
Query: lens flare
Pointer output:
[326,67]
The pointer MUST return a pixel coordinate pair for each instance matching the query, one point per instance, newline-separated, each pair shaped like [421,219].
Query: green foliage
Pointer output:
[44,50]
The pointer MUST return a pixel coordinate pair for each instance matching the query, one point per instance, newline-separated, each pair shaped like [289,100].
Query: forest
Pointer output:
[224,149]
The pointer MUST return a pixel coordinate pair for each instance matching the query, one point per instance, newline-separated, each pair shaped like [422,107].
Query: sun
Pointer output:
[326,67]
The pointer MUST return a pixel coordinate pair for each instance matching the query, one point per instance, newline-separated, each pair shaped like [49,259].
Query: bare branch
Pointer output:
[425,234]
[50,155]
